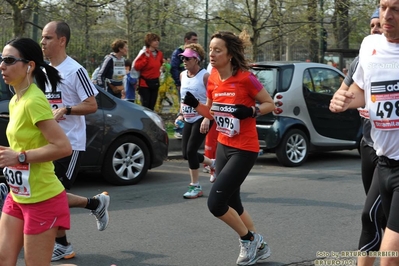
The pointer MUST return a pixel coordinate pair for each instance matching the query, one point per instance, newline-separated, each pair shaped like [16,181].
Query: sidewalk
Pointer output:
[174,151]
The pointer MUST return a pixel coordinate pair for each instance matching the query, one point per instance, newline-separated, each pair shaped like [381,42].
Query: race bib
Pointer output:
[384,105]
[54,98]
[188,111]
[17,178]
[226,123]
[119,70]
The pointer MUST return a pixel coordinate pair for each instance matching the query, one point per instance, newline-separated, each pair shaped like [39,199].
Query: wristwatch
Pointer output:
[257,112]
[22,157]
[69,109]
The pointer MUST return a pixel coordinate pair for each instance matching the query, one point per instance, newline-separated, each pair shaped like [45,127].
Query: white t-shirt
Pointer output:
[76,87]
[196,86]
[377,75]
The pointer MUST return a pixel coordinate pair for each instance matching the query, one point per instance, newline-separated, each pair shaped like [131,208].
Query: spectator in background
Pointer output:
[112,70]
[167,89]
[149,63]
[176,63]
[129,83]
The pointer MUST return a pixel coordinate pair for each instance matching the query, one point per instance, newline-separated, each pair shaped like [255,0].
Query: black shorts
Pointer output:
[388,177]
[67,168]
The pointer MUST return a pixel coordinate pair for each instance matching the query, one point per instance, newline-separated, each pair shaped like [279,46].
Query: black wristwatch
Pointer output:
[257,112]
[22,157]
[69,109]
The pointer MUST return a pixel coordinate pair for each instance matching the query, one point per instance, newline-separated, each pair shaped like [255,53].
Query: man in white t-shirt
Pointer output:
[376,88]
[75,98]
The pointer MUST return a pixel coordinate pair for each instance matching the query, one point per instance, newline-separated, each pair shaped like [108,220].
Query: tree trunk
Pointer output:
[340,24]
[313,31]
[276,39]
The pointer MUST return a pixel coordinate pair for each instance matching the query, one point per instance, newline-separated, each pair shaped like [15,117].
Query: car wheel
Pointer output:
[126,162]
[293,149]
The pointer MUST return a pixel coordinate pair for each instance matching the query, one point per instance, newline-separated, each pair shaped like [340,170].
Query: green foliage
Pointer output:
[279,29]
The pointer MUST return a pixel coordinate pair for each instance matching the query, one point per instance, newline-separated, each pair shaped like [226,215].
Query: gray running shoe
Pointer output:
[3,194]
[263,252]
[101,212]
[249,249]
[62,252]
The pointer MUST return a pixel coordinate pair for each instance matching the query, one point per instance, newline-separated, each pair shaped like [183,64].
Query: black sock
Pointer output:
[248,236]
[62,240]
[92,203]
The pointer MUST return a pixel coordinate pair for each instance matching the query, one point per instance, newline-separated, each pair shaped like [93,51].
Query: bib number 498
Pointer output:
[387,107]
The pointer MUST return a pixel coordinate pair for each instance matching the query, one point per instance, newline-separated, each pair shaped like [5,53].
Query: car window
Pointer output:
[307,81]
[286,74]
[103,100]
[325,81]
[268,78]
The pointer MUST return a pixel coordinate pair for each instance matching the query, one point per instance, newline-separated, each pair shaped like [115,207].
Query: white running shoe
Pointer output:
[248,250]
[62,252]
[101,212]
[263,252]
[178,135]
[193,192]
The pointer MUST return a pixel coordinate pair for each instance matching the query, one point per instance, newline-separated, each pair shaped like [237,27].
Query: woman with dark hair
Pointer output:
[232,93]
[149,64]
[37,204]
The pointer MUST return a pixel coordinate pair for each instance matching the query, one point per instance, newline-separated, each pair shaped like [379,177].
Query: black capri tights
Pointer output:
[232,167]
[191,142]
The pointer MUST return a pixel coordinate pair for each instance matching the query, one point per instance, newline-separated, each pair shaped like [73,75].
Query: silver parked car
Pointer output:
[302,122]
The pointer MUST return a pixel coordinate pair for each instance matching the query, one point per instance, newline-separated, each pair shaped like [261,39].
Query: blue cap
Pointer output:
[376,13]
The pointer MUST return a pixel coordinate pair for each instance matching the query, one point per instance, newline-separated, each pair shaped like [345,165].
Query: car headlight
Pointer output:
[156,118]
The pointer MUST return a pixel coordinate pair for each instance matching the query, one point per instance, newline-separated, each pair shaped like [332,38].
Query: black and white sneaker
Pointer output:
[101,212]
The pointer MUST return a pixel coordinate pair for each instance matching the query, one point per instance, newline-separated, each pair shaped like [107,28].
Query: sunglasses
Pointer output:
[12,60]
[182,58]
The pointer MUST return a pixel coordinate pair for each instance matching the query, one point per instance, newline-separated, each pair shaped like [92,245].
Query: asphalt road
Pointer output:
[304,213]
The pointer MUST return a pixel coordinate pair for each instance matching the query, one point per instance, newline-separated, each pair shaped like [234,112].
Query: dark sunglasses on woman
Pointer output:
[10,60]
[182,58]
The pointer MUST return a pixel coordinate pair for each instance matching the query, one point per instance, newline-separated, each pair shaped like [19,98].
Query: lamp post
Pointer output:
[206,34]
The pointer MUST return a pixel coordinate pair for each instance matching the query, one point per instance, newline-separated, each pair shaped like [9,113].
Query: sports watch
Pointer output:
[22,157]
[69,109]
